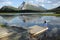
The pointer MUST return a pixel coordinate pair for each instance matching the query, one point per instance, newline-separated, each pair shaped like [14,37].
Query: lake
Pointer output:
[53,22]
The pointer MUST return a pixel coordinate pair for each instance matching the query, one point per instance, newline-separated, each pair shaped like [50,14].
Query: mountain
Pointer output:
[13,9]
[28,6]
[56,10]
[9,8]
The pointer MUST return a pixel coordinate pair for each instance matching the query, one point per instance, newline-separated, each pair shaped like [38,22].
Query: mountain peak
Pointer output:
[31,6]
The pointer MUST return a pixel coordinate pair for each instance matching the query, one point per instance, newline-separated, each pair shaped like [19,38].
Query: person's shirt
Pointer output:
[45,24]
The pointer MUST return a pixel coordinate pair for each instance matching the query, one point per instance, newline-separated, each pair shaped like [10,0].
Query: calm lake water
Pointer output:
[53,22]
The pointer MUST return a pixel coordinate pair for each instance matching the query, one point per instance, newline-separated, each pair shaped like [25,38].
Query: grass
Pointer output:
[50,14]
[31,14]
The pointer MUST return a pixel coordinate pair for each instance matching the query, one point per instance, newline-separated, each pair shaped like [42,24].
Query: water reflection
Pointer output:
[18,20]
[53,23]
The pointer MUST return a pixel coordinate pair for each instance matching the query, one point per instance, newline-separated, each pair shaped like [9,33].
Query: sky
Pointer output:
[48,4]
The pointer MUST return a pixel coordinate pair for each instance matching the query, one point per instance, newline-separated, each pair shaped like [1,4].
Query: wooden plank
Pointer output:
[35,30]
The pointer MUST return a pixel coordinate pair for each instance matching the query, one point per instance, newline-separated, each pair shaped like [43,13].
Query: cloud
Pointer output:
[55,4]
[49,2]
[40,0]
[43,5]
[32,3]
[5,2]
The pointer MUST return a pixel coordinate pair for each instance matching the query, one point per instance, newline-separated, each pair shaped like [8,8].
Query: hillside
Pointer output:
[9,9]
[56,10]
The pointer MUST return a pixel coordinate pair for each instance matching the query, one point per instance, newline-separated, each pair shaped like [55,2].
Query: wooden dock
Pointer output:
[35,30]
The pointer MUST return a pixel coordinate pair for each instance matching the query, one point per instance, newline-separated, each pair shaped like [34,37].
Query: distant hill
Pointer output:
[57,10]
[9,9]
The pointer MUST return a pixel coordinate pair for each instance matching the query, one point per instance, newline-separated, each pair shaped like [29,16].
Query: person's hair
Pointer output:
[44,21]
